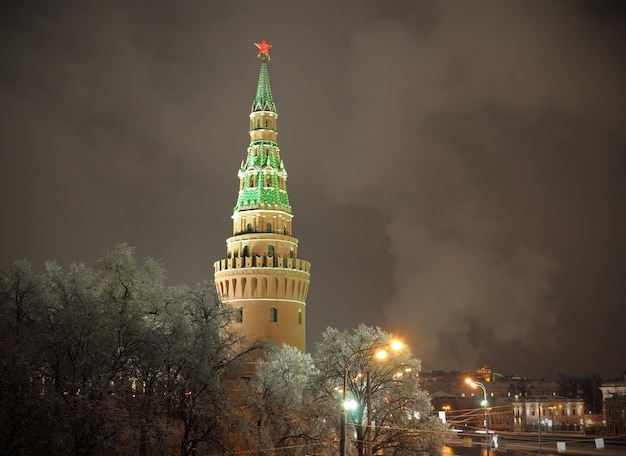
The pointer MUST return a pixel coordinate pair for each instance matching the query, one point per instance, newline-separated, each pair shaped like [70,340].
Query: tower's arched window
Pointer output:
[239,314]
[268,227]
[270,250]
[273,314]
[249,228]
[300,316]
[246,251]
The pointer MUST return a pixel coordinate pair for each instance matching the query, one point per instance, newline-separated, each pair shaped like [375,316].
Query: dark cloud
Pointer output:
[455,168]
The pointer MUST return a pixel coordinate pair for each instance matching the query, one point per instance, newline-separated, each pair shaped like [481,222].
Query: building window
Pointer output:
[239,314]
[299,317]
[273,315]
[268,228]
[246,251]
[249,228]
[270,251]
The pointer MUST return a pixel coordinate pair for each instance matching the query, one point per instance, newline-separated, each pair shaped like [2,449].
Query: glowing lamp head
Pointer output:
[396,345]
[380,354]
[350,404]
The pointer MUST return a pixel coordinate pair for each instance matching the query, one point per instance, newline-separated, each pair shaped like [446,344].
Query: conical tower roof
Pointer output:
[263,100]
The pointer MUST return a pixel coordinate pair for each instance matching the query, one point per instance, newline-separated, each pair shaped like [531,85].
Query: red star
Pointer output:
[264,48]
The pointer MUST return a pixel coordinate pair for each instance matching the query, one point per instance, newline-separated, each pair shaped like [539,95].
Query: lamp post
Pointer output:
[539,426]
[474,384]
[368,429]
[379,352]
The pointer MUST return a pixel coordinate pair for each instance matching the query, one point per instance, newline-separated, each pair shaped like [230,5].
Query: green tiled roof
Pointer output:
[263,100]
[262,173]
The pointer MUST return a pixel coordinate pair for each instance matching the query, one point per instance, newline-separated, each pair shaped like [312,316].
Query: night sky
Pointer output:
[456,169]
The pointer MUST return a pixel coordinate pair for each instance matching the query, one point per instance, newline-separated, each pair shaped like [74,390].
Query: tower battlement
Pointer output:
[268,284]
[262,262]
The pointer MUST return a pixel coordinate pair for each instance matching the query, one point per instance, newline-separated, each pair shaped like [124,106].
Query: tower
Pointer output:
[262,276]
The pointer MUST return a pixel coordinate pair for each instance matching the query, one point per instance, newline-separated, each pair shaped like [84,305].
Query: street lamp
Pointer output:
[474,384]
[379,352]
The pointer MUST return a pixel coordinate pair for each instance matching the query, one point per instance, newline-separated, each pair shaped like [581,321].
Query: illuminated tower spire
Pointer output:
[262,175]
[262,277]
[263,100]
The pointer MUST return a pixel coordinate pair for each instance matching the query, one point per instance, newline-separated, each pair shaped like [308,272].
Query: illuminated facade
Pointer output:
[262,276]
[553,412]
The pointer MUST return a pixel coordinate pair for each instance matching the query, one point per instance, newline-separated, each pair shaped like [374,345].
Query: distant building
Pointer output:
[614,412]
[514,403]
[609,389]
[486,374]
[553,413]
[498,386]
[614,406]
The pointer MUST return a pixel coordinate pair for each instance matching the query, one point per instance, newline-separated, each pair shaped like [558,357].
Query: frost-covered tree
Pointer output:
[205,360]
[108,359]
[400,411]
[298,399]
[289,414]
[21,312]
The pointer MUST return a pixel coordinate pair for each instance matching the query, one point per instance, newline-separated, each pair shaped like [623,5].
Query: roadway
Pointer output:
[517,444]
